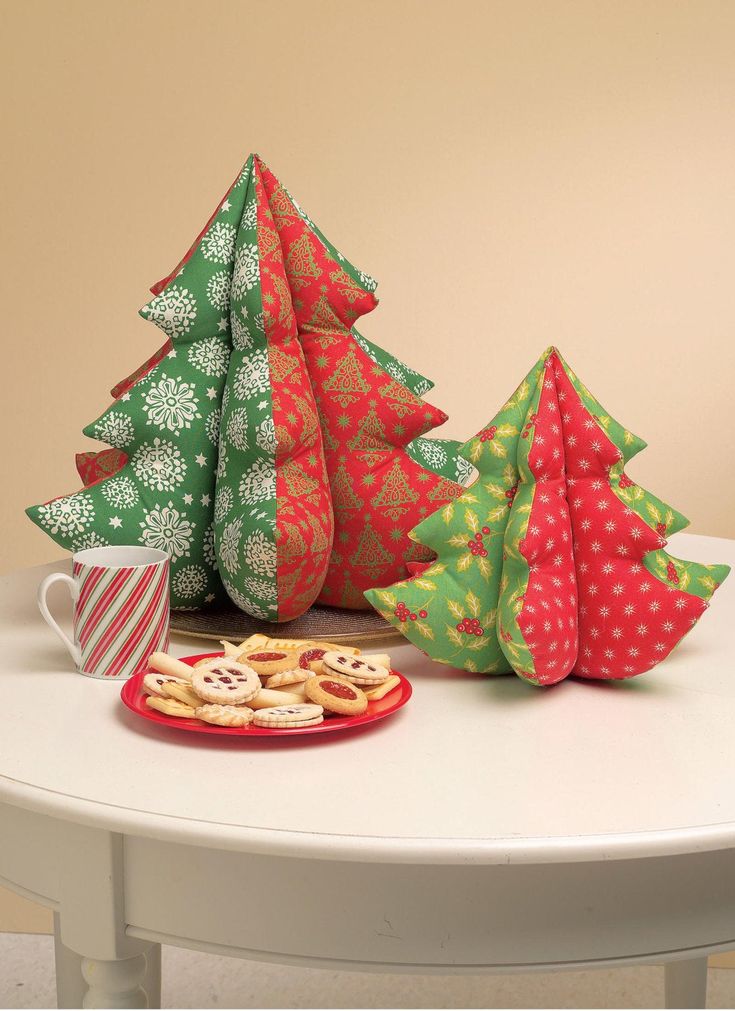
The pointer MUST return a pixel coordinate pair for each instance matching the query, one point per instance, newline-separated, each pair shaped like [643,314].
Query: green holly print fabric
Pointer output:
[553,562]
[167,426]
[450,609]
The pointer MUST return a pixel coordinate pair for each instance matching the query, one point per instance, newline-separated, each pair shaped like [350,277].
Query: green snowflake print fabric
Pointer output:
[167,426]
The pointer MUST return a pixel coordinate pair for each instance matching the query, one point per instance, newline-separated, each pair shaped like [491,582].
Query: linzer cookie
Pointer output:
[336,695]
[304,714]
[228,683]
[354,668]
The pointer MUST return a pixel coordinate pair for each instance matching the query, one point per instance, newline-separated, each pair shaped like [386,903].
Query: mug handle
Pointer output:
[76,653]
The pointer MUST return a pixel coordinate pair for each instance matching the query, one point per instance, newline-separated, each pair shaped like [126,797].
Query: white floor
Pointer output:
[192,979]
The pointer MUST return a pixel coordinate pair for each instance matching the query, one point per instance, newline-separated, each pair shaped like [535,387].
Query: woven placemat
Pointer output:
[331,624]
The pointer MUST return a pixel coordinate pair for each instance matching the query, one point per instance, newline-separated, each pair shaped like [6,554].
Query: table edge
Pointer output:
[368,849]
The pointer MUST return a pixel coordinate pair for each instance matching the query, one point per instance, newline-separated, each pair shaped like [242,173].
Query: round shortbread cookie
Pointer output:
[153,683]
[229,683]
[170,707]
[303,714]
[336,695]
[354,668]
[225,716]
[288,677]
[266,662]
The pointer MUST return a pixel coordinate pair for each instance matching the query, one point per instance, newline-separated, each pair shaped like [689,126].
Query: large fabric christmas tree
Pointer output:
[164,425]
[226,409]
[552,563]
[368,418]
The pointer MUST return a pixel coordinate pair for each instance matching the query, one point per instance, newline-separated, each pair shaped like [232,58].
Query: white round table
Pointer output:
[488,826]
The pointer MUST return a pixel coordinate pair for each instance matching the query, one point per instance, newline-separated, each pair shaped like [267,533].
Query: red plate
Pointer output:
[133,696]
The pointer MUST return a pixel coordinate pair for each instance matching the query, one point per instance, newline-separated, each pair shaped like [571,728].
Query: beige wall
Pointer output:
[513,173]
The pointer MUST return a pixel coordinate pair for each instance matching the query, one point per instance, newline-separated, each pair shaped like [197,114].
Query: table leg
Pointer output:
[114,983]
[116,971]
[70,986]
[152,978]
[686,983]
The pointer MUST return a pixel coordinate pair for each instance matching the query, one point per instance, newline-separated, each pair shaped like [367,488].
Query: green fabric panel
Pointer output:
[168,425]
[245,504]
[649,507]
[514,580]
[692,577]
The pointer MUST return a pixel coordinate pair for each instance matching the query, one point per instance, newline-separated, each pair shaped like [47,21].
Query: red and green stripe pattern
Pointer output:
[121,616]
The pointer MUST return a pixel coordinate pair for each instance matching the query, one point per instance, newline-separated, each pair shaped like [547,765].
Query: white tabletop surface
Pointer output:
[474,769]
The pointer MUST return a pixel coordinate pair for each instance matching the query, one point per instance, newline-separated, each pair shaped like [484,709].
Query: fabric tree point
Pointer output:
[552,563]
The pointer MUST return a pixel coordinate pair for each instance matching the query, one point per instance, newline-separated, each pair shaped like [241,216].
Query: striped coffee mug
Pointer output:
[121,607]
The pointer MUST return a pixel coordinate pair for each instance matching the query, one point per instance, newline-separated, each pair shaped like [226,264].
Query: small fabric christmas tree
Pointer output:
[368,418]
[553,561]
[164,427]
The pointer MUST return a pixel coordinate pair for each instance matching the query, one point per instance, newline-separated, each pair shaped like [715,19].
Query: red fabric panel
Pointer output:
[304,523]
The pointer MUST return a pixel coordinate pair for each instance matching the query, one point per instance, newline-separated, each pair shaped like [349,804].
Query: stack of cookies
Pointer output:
[274,683]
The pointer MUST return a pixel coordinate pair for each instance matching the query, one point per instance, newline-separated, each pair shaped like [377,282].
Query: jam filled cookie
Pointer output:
[302,715]
[311,659]
[336,695]
[228,683]
[266,662]
[354,668]
[224,716]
